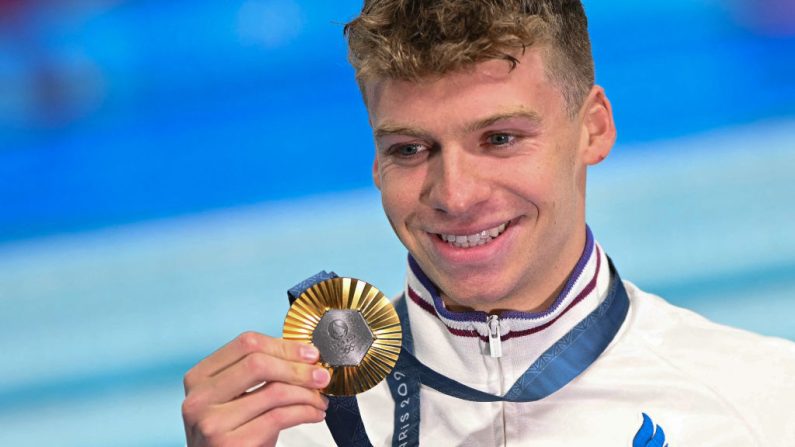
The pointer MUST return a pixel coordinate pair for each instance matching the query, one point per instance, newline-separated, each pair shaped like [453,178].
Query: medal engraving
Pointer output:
[355,328]
[342,337]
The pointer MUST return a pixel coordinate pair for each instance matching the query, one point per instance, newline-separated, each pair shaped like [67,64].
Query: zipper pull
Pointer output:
[495,339]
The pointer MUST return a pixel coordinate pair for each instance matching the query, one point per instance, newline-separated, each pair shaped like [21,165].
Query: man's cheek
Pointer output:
[394,219]
[400,235]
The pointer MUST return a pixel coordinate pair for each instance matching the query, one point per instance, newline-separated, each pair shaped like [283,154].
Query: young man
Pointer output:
[486,117]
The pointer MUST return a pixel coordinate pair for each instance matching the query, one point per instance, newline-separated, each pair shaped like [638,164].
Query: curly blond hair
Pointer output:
[412,39]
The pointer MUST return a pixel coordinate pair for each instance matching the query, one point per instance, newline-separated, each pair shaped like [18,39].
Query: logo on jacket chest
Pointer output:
[649,434]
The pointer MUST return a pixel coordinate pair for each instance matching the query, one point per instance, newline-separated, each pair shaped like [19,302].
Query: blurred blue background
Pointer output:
[169,169]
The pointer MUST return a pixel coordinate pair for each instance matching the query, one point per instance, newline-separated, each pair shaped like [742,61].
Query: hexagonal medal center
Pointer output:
[342,337]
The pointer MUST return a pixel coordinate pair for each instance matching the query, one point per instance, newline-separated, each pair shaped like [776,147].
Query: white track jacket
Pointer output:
[698,383]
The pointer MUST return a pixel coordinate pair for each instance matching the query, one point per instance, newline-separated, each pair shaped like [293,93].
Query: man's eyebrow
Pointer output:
[533,117]
[394,129]
[390,129]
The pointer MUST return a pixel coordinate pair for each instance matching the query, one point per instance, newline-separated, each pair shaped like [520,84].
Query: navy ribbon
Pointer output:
[296,290]
[555,368]
[404,385]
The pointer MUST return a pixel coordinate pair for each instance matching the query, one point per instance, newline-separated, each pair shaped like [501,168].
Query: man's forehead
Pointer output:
[530,66]
[490,71]
[465,100]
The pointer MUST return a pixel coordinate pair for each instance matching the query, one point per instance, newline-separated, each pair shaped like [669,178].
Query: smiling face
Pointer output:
[482,176]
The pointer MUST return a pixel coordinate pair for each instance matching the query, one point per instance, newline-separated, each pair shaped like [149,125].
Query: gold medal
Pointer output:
[355,328]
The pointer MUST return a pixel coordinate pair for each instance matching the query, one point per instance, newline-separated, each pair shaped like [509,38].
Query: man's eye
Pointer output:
[408,150]
[500,139]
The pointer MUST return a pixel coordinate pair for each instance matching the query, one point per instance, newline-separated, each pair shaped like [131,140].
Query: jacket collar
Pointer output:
[581,283]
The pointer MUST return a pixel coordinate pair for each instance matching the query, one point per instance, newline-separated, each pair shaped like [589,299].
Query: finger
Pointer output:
[231,415]
[278,394]
[245,344]
[254,369]
[267,426]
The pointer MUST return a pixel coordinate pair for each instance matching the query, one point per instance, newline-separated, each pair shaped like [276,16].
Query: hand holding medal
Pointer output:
[255,386]
[355,328]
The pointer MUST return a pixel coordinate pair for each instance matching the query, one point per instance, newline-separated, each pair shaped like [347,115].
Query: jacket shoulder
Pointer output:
[753,374]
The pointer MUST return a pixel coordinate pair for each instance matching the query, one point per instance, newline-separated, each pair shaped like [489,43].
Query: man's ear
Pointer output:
[598,127]
[376,174]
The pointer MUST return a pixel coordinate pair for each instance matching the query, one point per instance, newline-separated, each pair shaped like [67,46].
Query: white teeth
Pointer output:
[474,240]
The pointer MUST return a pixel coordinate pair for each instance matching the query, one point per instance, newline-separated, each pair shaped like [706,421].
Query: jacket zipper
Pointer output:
[495,349]
[495,338]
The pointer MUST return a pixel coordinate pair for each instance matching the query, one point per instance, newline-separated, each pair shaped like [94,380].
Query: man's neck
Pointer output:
[530,305]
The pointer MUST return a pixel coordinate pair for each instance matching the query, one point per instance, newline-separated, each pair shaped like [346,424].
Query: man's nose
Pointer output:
[456,183]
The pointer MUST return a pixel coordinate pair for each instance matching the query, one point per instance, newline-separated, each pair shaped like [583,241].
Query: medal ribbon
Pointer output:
[556,367]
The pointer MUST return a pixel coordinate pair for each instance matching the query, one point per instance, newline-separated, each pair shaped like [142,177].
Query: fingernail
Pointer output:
[309,353]
[320,376]
[325,399]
